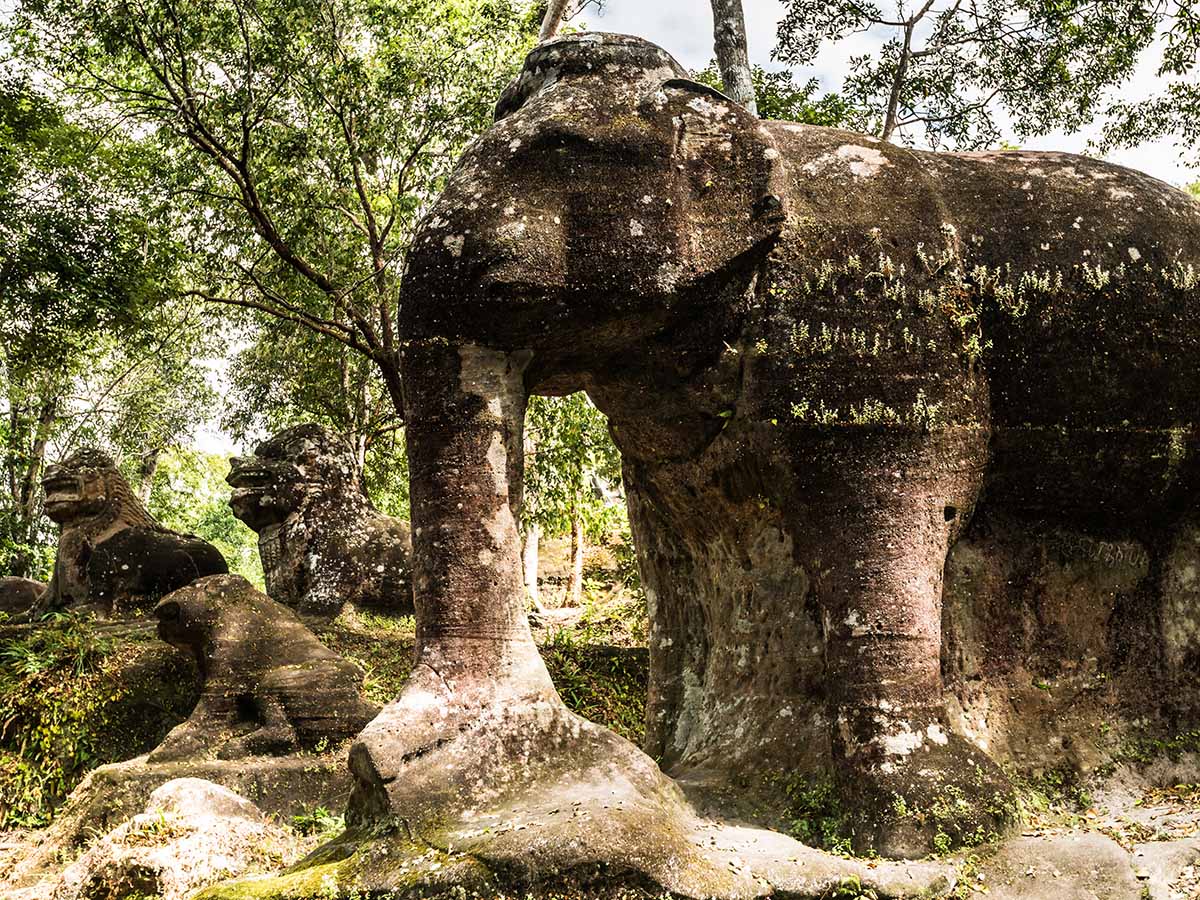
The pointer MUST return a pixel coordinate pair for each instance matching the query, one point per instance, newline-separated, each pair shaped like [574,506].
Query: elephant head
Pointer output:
[609,194]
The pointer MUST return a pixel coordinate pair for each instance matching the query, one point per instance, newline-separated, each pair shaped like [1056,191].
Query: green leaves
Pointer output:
[570,457]
[98,347]
[190,495]
[300,141]
[780,97]
[942,70]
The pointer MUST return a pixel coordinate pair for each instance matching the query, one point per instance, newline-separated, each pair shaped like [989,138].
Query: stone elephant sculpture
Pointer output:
[818,353]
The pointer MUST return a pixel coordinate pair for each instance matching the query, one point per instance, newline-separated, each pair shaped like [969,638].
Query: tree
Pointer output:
[778,96]
[287,374]
[190,495]
[1176,110]
[733,60]
[87,302]
[556,14]
[946,68]
[571,458]
[303,139]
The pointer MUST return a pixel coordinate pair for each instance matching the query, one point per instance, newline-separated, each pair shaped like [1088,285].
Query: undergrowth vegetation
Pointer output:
[74,696]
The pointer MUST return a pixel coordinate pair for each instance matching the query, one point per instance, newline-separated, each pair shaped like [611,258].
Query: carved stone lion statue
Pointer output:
[323,544]
[112,556]
[270,687]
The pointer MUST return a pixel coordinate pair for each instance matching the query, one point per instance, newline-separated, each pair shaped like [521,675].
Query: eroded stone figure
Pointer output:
[323,544]
[824,358]
[17,595]
[270,687]
[113,558]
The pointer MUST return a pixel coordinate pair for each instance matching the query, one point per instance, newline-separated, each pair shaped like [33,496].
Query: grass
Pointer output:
[318,821]
[73,698]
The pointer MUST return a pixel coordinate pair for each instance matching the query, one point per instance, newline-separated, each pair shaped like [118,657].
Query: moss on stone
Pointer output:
[308,884]
[76,694]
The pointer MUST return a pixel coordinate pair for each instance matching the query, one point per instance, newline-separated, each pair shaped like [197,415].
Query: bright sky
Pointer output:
[684,29]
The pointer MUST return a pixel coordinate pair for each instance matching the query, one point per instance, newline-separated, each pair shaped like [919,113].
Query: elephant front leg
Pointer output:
[479,738]
[905,776]
[475,656]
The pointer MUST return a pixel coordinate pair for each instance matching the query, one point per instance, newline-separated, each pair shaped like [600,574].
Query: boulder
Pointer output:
[17,595]
[192,833]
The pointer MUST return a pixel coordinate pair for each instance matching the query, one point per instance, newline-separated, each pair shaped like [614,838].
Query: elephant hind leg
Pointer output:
[905,776]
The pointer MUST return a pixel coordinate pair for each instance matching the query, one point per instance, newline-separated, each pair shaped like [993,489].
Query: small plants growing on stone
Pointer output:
[73,698]
[816,815]
[318,821]
[851,888]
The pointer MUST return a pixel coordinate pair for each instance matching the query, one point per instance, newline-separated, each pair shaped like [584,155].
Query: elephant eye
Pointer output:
[560,138]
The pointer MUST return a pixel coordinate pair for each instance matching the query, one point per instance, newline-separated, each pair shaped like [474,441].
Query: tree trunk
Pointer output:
[733,59]
[575,583]
[556,13]
[147,466]
[891,119]
[529,562]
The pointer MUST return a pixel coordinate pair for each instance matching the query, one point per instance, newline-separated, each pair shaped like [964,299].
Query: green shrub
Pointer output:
[72,699]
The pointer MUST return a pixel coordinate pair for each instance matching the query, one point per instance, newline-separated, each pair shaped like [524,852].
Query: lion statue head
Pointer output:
[87,485]
[289,469]
[323,543]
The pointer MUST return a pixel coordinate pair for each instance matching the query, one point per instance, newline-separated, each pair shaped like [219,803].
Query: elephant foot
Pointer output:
[492,789]
[939,793]
[502,772]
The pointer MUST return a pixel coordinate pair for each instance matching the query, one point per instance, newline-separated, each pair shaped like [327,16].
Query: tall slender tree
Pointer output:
[733,57]
[552,22]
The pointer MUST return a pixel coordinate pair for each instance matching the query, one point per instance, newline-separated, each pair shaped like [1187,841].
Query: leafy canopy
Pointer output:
[571,468]
[302,140]
[1176,110]
[780,97]
[946,68]
[98,346]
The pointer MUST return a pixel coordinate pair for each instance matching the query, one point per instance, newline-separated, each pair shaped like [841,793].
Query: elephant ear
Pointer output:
[728,177]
